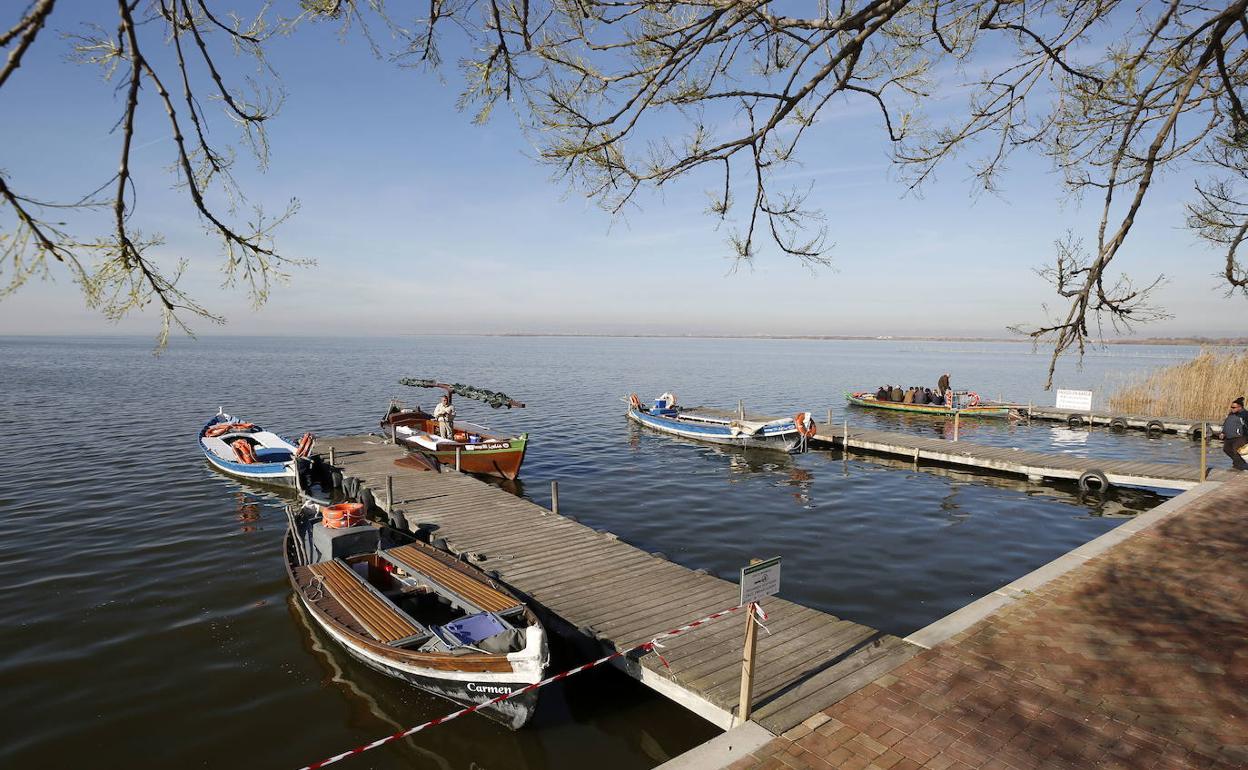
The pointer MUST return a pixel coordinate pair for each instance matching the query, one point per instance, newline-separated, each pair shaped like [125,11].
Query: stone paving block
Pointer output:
[1134,659]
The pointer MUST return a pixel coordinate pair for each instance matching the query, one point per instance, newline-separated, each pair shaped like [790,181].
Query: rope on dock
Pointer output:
[645,647]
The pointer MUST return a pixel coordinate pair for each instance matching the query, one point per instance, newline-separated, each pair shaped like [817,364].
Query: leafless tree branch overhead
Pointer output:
[626,95]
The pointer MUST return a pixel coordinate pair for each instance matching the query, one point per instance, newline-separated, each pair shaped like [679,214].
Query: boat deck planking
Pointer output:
[596,583]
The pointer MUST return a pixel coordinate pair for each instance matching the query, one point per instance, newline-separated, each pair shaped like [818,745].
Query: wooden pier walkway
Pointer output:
[1035,466]
[1184,427]
[590,583]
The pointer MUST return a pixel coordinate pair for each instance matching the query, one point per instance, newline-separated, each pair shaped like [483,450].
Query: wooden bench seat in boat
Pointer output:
[480,594]
[386,622]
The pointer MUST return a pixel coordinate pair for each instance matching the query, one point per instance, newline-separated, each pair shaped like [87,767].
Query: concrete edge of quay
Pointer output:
[735,744]
[723,749]
[962,619]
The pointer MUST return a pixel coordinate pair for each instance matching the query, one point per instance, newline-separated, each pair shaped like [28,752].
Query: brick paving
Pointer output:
[1137,659]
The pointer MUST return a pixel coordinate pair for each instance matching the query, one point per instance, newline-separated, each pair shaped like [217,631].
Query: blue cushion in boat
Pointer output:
[473,628]
[272,454]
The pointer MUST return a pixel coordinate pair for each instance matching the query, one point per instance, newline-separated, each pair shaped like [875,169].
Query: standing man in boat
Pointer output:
[1235,434]
[444,413]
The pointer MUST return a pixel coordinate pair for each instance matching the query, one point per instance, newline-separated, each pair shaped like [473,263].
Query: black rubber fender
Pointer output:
[1154,426]
[1075,421]
[1118,424]
[1093,481]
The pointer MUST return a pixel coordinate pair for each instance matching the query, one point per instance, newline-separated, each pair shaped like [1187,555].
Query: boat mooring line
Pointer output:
[646,647]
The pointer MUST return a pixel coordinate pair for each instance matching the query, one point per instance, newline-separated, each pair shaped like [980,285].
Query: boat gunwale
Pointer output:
[472,663]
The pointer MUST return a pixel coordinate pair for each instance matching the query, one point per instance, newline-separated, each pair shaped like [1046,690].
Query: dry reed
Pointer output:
[1200,389]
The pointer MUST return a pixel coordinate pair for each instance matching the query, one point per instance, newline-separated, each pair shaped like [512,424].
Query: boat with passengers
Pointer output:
[965,403]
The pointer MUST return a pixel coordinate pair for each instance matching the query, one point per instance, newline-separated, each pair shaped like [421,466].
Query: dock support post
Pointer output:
[1204,449]
[747,666]
[1029,413]
[332,460]
[459,458]
[394,434]
[389,494]
[554,497]
[741,409]
[956,416]
[845,438]
[829,415]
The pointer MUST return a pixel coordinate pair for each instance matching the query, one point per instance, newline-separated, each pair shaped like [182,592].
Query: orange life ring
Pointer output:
[805,424]
[243,451]
[342,515]
[221,428]
[305,445]
[634,401]
[974,398]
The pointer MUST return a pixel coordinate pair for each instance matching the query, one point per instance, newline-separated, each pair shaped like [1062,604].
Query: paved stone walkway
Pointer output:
[1137,659]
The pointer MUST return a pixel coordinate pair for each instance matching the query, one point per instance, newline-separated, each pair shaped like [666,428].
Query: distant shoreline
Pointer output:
[1185,341]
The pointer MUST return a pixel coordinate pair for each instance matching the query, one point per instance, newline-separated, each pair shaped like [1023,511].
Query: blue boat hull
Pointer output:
[781,435]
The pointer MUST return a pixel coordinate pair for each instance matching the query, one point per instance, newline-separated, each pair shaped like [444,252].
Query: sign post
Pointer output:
[760,579]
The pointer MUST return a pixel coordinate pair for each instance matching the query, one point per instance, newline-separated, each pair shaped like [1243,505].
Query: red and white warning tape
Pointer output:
[646,646]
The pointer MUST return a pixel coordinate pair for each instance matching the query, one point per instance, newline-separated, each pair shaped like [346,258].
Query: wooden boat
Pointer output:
[249,452]
[416,613]
[721,426]
[967,405]
[480,451]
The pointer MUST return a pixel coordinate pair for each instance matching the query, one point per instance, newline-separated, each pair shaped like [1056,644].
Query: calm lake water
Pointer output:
[148,622]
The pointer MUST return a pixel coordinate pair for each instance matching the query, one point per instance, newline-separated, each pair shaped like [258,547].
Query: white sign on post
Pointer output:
[1074,400]
[760,580]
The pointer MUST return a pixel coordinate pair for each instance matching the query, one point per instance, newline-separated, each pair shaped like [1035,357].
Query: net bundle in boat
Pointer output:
[492,397]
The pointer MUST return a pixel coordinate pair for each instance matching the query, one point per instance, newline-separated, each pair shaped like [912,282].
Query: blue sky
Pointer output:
[420,221]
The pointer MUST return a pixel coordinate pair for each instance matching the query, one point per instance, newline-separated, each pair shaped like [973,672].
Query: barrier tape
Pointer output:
[646,646]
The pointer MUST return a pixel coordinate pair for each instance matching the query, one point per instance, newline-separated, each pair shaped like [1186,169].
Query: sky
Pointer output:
[420,221]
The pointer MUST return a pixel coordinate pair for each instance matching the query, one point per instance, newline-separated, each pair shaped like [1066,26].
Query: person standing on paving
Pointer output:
[1235,434]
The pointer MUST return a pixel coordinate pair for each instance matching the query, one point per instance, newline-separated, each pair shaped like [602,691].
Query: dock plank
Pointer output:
[591,580]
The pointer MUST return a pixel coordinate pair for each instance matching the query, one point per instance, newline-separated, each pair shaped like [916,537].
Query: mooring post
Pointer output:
[389,494]
[554,497]
[1204,448]
[1028,412]
[459,458]
[741,409]
[332,460]
[394,434]
[845,438]
[829,415]
[956,416]
[747,663]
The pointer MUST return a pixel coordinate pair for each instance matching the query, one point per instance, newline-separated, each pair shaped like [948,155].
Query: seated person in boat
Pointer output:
[444,413]
[922,396]
[897,395]
[909,397]
[883,393]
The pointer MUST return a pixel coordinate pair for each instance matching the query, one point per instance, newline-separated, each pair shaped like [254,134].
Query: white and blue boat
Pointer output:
[721,426]
[249,452]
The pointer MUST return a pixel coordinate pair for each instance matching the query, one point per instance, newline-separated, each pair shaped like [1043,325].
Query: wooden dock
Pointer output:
[1036,466]
[1189,428]
[590,584]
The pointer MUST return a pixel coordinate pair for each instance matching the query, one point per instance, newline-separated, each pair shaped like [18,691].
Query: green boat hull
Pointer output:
[986,410]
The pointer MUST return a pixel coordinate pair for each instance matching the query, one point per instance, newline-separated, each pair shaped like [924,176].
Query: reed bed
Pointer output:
[1200,389]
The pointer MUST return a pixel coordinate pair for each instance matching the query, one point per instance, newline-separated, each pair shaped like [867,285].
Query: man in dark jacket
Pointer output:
[1235,434]
[943,384]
